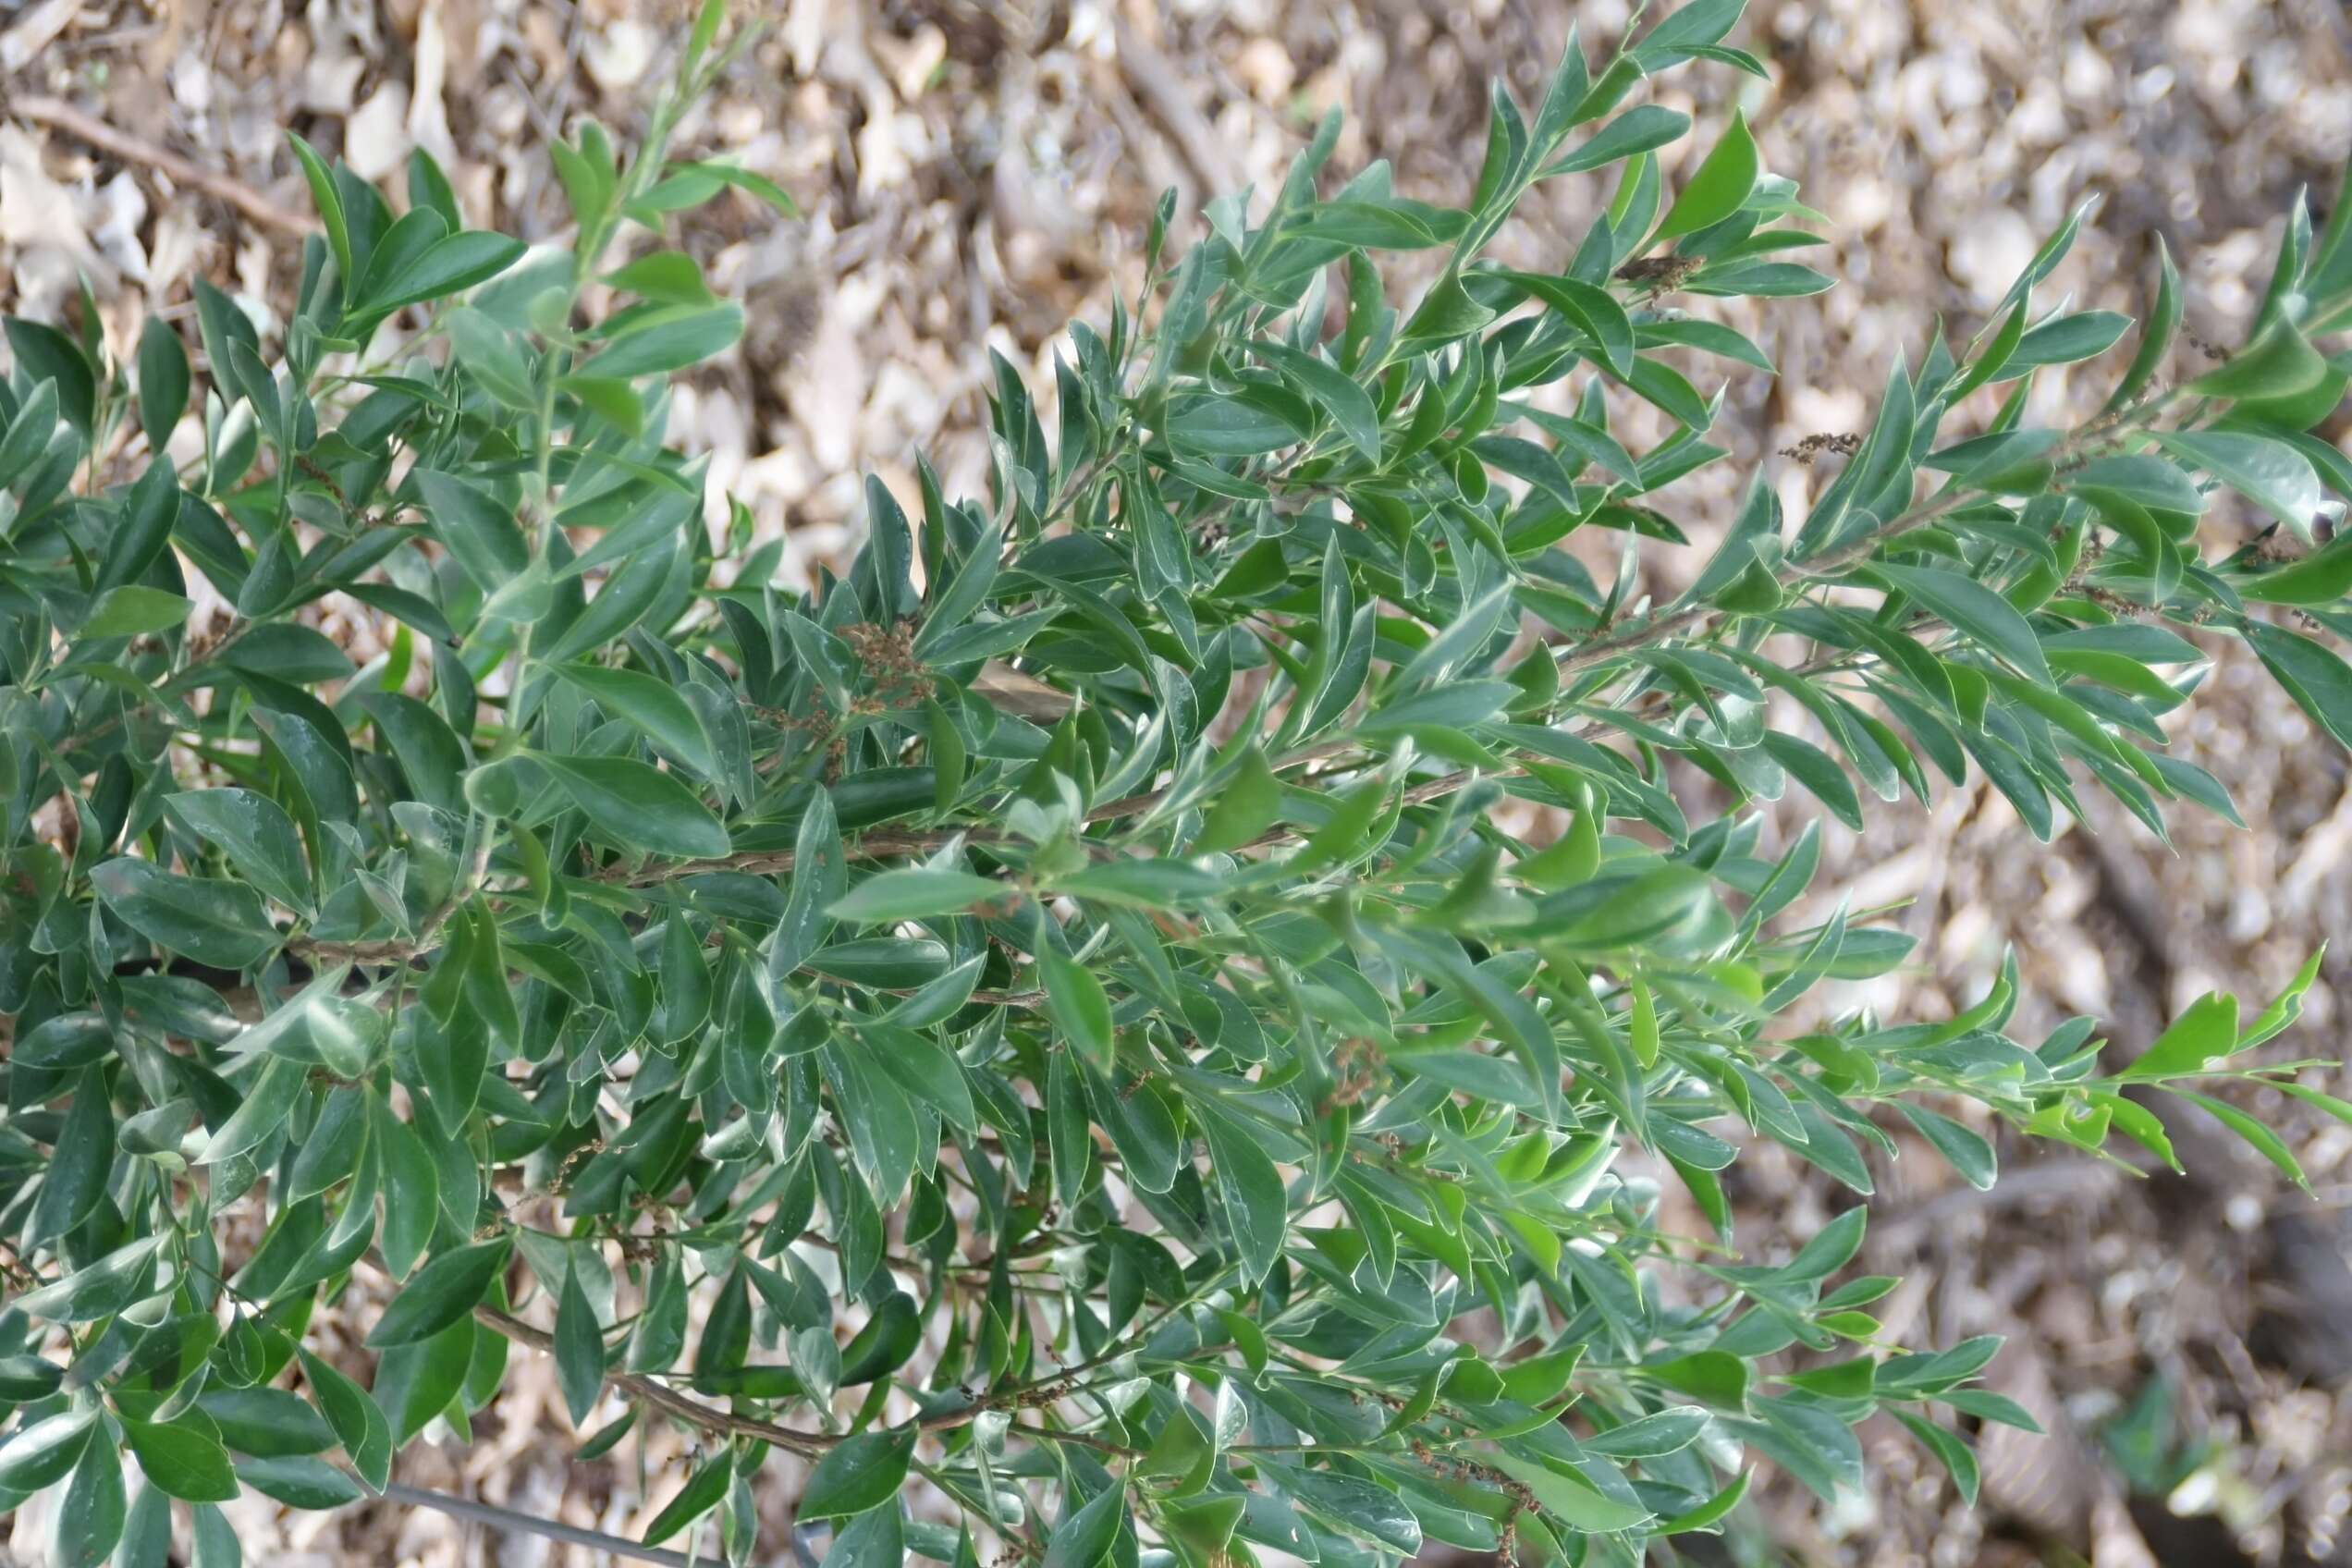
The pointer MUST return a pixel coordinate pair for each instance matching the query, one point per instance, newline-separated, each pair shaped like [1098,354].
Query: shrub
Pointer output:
[1057,1013]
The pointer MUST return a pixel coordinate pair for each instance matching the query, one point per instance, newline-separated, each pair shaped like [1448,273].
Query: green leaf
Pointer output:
[638,807]
[2320,578]
[2310,672]
[183,1461]
[1242,810]
[2278,363]
[1653,1436]
[1996,354]
[454,264]
[256,835]
[2272,474]
[1339,395]
[1590,308]
[1819,773]
[1949,1449]
[1256,1202]
[222,924]
[1717,186]
[1083,1539]
[29,433]
[2198,1038]
[214,1545]
[330,206]
[37,1456]
[92,1515]
[133,609]
[1388,225]
[303,1481]
[84,1159]
[701,1493]
[1078,1004]
[1964,1147]
[446,1289]
[672,277]
[69,1040]
[1713,1510]
[101,1290]
[45,355]
[2065,340]
[668,340]
[1445,313]
[653,707]
[2268,1144]
[579,1350]
[759,186]
[1573,1503]
[411,1190]
[359,1422]
[163,382]
[1988,620]
[267,1102]
[914,893]
[857,1474]
[1637,130]
[2155,334]
[479,530]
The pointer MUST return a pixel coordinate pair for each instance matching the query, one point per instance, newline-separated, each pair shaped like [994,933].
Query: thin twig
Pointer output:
[58,115]
[725,1423]
[509,1519]
[2075,1179]
[664,1398]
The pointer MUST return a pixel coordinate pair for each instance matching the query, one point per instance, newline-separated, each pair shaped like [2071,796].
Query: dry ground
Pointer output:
[976,172]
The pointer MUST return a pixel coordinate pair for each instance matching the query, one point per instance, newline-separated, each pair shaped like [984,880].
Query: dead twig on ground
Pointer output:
[58,115]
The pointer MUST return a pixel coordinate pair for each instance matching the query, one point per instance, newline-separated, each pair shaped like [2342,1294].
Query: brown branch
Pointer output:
[774,862]
[490,1513]
[58,115]
[664,1398]
[393,949]
[1656,628]
[726,1423]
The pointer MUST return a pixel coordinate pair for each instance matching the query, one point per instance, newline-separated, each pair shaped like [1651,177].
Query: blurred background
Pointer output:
[975,173]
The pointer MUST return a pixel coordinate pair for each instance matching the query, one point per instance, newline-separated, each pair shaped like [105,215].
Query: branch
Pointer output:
[58,115]
[694,1413]
[1658,628]
[722,1422]
[509,1519]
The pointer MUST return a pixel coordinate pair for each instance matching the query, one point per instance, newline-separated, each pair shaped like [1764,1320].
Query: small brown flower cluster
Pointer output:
[1041,1396]
[1661,274]
[886,654]
[2116,604]
[19,1275]
[1358,1064]
[816,724]
[572,1162]
[2103,424]
[1448,1467]
[1842,445]
[202,644]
